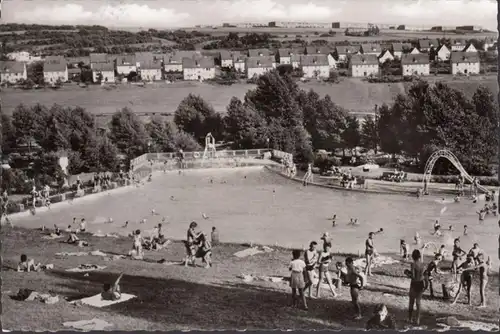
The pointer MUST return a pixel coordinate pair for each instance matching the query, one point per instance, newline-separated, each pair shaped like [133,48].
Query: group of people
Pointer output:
[199,246]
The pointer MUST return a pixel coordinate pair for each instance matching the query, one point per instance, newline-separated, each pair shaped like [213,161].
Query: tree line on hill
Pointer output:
[276,114]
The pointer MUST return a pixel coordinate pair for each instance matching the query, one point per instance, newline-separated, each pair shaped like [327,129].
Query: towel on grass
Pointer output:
[85,268]
[93,253]
[248,252]
[88,325]
[97,301]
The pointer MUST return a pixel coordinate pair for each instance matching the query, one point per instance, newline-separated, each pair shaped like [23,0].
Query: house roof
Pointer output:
[109,66]
[256,62]
[259,52]
[227,55]
[371,47]
[347,49]
[55,67]
[76,60]
[295,58]
[285,52]
[151,65]
[397,47]
[443,47]
[239,58]
[11,67]
[74,71]
[310,50]
[54,59]
[428,43]
[368,59]
[125,60]
[144,57]
[409,59]
[98,57]
[204,62]
[314,60]
[464,57]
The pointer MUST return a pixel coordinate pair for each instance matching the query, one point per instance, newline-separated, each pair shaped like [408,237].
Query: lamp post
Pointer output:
[267,140]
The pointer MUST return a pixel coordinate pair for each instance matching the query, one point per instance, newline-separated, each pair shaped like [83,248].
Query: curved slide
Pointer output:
[454,160]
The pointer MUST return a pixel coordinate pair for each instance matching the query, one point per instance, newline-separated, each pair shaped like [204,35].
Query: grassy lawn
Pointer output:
[353,94]
[175,297]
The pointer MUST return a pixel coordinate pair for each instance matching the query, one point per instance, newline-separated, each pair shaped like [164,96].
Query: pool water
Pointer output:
[255,205]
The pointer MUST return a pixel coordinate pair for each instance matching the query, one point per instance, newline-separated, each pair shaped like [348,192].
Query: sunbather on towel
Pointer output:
[27,265]
[112,291]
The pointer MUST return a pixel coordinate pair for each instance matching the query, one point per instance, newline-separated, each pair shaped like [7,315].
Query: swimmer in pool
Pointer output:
[417,238]
[457,199]
[450,228]
[334,220]
[465,229]
[437,228]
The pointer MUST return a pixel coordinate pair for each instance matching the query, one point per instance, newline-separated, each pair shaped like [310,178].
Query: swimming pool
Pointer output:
[256,205]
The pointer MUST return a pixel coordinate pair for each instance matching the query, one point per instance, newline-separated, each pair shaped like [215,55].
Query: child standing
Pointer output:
[432,268]
[356,282]
[297,267]
[215,236]
[137,247]
[404,250]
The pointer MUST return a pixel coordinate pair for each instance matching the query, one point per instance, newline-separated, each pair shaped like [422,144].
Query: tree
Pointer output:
[351,136]
[8,135]
[369,134]
[161,137]
[389,128]
[128,133]
[244,127]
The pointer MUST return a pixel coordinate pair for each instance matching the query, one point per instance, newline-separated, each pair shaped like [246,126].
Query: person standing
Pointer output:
[432,268]
[297,267]
[311,259]
[457,254]
[356,282]
[369,253]
[214,236]
[324,260]
[417,286]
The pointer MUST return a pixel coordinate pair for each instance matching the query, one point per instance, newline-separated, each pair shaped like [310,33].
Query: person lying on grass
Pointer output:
[381,319]
[297,267]
[204,250]
[356,282]
[27,265]
[112,291]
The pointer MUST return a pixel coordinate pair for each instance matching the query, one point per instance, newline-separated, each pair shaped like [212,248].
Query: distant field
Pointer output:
[352,94]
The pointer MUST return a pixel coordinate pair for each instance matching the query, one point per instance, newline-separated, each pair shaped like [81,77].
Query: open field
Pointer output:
[353,94]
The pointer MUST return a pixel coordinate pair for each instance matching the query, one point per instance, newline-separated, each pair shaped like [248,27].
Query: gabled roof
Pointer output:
[428,43]
[98,58]
[285,52]
[12,67]
[228,55]
[347,49]
[371,48]
[76,60]
[369,59]
[295,58]
[314,60]
[464,57]
[55,67]
[204,62]
[443,47]
[256,62]
[144,57]
[54,59]
[418,59]
[151,65]
[258,52]
[125,60]
[107,67]
[239,58]
[311,50]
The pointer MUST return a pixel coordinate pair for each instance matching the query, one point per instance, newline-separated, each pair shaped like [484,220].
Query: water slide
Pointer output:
[454,160]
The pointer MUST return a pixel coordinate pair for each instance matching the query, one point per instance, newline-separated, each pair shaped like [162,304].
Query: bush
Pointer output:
[325,163]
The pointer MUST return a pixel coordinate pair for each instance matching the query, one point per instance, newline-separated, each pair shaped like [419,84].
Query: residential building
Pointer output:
[239,61]
[425,45]
[74,61]
[415,64]
[54,60]
[125,64]
[371,49]
[98,58]
[256,66]
[397,50]
[443,53]
[107,70]
[317,50]
[386,55]
[315,66]
[284,56]
[150,71]
[344,52]
[361,65]
[259,53]
[458,45]
[23,56]
[74,73]
[198,68]
[414,51]
[465,63]
[143,58]
[12,71]
[295,60]
[172,63]
[226,58]
[55,71]
[470,48]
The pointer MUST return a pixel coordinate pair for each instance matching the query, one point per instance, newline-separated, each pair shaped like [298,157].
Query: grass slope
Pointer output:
[175,297]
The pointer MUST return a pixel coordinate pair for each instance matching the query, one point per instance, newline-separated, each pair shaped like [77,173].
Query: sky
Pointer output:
[188,13]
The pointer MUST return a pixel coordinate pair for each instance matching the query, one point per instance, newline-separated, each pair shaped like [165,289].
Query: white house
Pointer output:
[53,71]
[344,52]
[443,53]
[465,63]
[12,71]
[256,66]
[239,61]
[98,58]
[23,56]
[371,49]
[172,63]
[284,56]
[226,58]
[458,45]
[415,64]
[470,48]
[414,51]
[107,70]
[198,68]
[150,71]
[125,64]
[386,55]
[315,66]
[295,60]
[363,65]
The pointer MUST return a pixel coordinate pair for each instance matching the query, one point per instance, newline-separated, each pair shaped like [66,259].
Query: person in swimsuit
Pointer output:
[112,291]
[297,267]
[465,229]
[483,277]
[381,319]
[442,251]
[324,260]
[404,249]
[475,251]
[417,286]
[311,260]
[191,243]
[83,225]
[356,282]
[205,250]
[369,252]
[466,270]
[334,220]
[417,238]
[138,241]
[457,254]
[437,228]
[27,265]
[432,268]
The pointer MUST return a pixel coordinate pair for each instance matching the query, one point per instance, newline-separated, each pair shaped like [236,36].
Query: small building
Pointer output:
[198,68]
[23,56]
[317,50]
[172,63]
[125,64]
[295,60]
[470,48]
[74,73]
[239,61]
[12,71]
[425,45]
[443,53]
[371,49]
[344,52]
[107,70]
[143,58]
[361,65]
[259,53]
[256,66]
[415,64]
[397,50]
[75,61]
[98,58]
[55,71]
[465,63]
[458,45]
[414,51]
[284,56]
[315,66]
[226,58]
[150,71]
[335,25]
[386,56]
